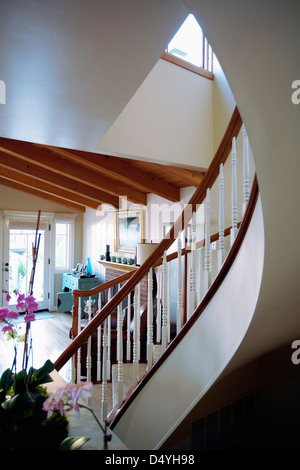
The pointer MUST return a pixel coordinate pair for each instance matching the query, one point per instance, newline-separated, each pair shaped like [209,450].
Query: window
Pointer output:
[63,245]
[190,45]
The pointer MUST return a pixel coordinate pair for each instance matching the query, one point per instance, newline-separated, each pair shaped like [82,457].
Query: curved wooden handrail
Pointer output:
[102,287]
[198,197]
[116,414]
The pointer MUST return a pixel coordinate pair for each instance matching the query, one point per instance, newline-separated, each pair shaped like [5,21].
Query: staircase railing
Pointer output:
[153,332]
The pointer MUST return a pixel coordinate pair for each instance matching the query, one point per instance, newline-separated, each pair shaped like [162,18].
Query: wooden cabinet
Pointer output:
[71,282]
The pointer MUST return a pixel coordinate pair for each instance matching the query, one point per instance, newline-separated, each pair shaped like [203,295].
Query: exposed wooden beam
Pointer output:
[191,177]
[10,160]
[40,194]
[35,154]
[47,188]
[124,171]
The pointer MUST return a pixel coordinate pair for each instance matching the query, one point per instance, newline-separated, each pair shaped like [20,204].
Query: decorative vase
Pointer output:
[89,270]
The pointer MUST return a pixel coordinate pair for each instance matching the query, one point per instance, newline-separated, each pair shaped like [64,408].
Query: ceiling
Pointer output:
[79,179]
[70,67]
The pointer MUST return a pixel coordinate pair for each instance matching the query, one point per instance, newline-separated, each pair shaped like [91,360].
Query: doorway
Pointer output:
[17,255]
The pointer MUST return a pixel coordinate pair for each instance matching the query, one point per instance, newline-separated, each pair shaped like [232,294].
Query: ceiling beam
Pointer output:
[124,171]
[191,177]
[9,160]
[40,194]
[49,160]
[47,188]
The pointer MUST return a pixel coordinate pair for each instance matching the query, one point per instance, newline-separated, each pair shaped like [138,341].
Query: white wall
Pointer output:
[12,199]
[169,119]
[98,226]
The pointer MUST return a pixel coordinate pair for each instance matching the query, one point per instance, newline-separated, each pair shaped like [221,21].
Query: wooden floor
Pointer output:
[50,337]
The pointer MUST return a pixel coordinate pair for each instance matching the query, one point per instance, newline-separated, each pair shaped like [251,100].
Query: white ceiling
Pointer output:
[71,66]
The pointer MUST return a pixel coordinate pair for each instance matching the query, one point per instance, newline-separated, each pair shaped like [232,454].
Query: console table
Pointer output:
[71,282]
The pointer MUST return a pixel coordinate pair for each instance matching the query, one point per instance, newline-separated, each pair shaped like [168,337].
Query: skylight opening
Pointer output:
[190,44]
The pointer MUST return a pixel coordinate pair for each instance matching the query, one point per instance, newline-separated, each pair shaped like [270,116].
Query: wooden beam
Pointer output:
[9,160]
[124,171]
[47,188]
[40,194]
[190,176]
[49,160]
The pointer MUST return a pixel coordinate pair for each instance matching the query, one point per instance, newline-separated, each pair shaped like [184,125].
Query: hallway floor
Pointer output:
[49,339]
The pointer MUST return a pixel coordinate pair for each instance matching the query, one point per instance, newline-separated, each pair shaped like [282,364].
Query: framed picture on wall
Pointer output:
[128,230]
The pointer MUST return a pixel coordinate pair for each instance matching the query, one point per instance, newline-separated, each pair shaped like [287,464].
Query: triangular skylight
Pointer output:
[190,44]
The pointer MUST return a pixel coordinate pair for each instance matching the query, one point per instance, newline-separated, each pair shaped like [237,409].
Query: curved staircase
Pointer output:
[150,399]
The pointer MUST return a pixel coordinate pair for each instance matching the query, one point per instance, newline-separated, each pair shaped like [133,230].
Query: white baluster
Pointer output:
[164,330]
[89,344]
[150,320]
[234,230]
[79,350]
[128,344]
[246,181]
[207,251]
[135,362]
[109,341]
[202,269]
[139,321]
[120,356]
[159,302]
[104,373]
[221,251]
[99,343]
[169,304]
[192,293]
[179,286]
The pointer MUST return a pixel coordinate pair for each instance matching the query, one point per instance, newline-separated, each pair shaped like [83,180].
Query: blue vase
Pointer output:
[89,267]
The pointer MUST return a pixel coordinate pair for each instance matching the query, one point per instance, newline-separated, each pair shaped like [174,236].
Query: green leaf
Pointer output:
[20,381]
[41,375]
[6,380]
[73,443]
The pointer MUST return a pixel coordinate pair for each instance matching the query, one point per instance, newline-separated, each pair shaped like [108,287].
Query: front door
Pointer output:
[17,254]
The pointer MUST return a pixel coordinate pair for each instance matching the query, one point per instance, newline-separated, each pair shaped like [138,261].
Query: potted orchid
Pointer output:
[30,418]
[23,422]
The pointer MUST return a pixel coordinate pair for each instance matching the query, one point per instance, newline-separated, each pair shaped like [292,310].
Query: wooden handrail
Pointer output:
[198,197]
[102,287]
[116,414]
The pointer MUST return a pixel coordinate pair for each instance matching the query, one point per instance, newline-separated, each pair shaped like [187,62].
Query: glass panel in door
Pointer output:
[20,264]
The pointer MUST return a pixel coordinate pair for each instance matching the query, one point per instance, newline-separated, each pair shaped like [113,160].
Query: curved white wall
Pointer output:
[257,44]
[201,356]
